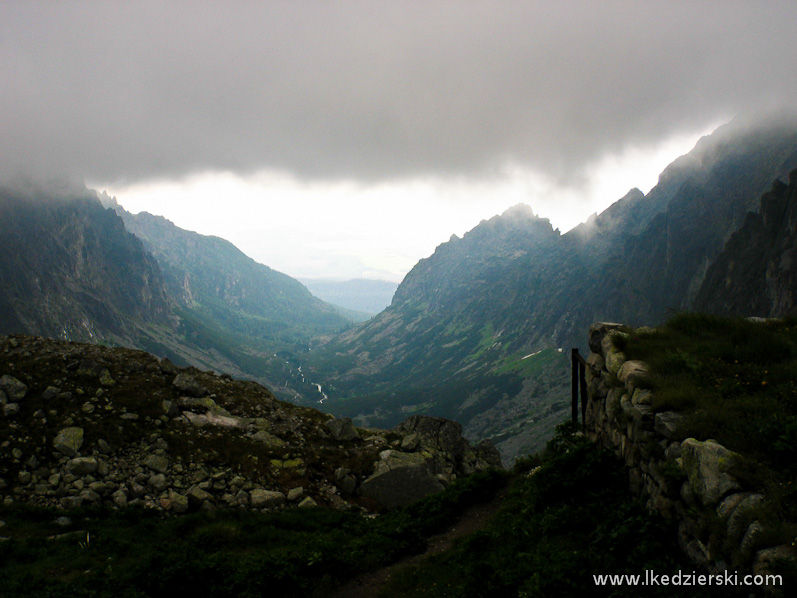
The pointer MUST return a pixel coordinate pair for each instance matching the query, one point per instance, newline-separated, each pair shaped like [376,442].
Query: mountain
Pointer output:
[366,296]
[756,273]
[70,269]
[472,328]
[216,281]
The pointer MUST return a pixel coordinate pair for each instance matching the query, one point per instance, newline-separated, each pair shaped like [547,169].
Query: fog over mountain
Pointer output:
[374,90]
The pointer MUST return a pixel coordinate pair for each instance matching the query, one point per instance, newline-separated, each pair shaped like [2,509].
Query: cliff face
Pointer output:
[756,274]
[70,269]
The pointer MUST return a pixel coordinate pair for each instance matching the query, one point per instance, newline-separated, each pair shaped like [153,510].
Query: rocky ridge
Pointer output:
[90,425]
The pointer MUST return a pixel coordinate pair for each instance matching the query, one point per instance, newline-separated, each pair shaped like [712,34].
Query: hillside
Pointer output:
[85,424]
[472,327]
[216,281]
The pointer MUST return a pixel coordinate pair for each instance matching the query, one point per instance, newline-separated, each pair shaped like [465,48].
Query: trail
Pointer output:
[473,519]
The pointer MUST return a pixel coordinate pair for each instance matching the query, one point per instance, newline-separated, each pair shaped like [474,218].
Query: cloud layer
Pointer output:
[370,91]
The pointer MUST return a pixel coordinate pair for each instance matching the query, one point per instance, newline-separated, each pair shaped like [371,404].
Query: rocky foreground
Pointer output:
[89,425]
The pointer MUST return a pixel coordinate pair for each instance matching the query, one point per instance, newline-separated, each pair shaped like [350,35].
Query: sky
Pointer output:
[349,139]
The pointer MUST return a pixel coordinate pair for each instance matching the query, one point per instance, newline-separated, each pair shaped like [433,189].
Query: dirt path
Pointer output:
[474,519]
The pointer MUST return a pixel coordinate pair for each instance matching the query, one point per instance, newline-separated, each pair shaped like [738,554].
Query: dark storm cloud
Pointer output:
[125,91]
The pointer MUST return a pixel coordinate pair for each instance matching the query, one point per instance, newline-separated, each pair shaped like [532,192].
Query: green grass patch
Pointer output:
[137,553]
[735,380]
[571,519]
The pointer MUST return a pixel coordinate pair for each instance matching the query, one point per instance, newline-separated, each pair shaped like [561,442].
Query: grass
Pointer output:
[572,518]
[735,380]
[135,553]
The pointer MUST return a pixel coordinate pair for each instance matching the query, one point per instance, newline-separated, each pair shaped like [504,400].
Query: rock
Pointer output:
[10,409]
[24,477]
[488,454]
[295,494]
[189,385]
[69,441]
[632,370]
[666,423]
[410,442]
[104,447]
[772,560]
[50,393]
[342,429]
[598,331]
[119,498]
[158,482]
[105,378]
[70,502]
[401,486]
[157,463]
[259,498]
[267,438]
[81,466]
[752,540]
[742,516]
[435,433]
[89,496]
[642,396]
[179,502]
[308,503]
[15,390]
[196,496]
[707,465]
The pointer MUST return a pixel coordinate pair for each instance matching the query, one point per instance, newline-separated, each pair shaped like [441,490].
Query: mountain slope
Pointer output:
[756,274]
[212,276]
[70,270]
[456,339]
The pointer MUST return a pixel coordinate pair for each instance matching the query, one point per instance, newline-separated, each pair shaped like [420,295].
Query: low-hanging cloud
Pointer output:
[120,91]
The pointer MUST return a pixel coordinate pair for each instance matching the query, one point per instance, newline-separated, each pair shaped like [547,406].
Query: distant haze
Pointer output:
[367,296]
[287,127]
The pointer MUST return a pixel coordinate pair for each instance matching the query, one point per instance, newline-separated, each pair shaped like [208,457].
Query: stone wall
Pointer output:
[687,479]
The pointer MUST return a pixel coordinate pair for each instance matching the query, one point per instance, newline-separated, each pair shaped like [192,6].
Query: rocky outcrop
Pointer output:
[688,479]
[121,428]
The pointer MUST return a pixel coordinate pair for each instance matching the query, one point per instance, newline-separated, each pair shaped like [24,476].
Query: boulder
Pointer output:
[666,423]
[707,466]
[15,390]
[401,486]
[50,393]
[435,433]
[157,463]
[81,466]
[189,385]
[632,370]
[342,429]
[69,441]
[260,499]
[599,330]
[196,496]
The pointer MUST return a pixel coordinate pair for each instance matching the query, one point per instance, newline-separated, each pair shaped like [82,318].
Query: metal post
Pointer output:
[574,385]
[582,375]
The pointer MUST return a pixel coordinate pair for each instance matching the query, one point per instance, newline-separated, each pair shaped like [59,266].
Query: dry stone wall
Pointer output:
[687,479]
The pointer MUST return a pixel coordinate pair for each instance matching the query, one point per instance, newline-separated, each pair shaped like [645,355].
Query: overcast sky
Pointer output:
[350,138]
